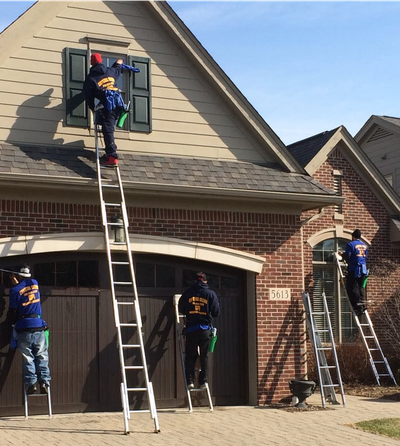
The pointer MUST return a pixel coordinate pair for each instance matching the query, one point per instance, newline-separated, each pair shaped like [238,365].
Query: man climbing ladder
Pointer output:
[100,84]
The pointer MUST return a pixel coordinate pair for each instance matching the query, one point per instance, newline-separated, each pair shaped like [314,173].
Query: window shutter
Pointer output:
[75,73]
[140,95]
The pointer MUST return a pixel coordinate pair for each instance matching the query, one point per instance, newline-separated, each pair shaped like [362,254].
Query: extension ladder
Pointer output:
[36,395]
[124,293]
[326,384]
[379,363]
[178,318]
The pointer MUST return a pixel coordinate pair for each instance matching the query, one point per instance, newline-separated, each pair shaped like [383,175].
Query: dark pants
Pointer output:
[195,339]
[108,120]
[355,291]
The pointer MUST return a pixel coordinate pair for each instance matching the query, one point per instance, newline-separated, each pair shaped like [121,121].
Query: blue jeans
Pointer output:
[35,357]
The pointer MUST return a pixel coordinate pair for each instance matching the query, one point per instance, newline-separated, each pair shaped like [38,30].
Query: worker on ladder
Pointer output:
[30,330]
[200,305]
[100,84]
[356,258]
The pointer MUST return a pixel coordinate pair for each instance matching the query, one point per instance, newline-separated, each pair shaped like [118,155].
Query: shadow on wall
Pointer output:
[40,144]
[286,344]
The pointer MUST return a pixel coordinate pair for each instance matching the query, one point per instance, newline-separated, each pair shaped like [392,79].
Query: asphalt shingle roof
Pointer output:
[65,161]
[305,150]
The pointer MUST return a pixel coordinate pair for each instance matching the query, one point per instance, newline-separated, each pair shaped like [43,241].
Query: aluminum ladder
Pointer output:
[36,395]
[327,386]
[124,293]
[179,335]
[379,363]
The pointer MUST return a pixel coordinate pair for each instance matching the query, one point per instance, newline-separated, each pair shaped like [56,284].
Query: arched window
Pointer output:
[326,280]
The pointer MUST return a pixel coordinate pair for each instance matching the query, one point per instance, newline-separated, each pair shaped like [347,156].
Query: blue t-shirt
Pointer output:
[25,297]
[356,257]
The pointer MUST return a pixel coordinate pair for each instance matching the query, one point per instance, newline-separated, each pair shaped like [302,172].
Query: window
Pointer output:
[327,280]
[65,274]
[135,88]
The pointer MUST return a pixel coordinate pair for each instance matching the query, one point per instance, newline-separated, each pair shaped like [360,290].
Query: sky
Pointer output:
[306,67]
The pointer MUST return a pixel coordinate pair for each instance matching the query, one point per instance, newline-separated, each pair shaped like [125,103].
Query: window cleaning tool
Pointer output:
[214,338]
[123,116]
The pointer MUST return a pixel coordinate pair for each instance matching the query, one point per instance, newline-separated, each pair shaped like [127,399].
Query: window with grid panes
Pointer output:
[135,89]
[327,280]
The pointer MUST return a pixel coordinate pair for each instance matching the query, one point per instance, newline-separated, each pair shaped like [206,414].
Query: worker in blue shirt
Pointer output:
[100,83]
[25,311]
[356,258]
[200,305]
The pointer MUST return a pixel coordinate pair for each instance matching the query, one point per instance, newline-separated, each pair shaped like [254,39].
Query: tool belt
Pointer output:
[28,316]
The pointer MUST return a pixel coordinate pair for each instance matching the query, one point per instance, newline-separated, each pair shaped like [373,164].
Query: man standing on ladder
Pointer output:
[200,305]
[356,258]
[26,312]
[100,84]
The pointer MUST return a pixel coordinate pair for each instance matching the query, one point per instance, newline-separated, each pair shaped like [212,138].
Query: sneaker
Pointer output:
[203,386]
[43,388]
[103,158]
[190,386]
[109,162]
[31,389]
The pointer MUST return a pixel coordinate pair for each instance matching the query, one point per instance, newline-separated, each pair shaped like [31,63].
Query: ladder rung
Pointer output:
[321,331]
[130,345]
[383,374]
[369,337]
[133,367]
[140,411]
[318,312]
[125,303]
[364,325]
[120,263]
[373,349]
[330,385]
[123,283]
[114,224]
[136,389]
[128,325]
[112,204]
[324,348]
[378,362]
[327,367]
[110,185]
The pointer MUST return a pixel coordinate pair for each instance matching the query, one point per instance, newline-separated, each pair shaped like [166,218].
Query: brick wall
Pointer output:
[361,209]
[276,237]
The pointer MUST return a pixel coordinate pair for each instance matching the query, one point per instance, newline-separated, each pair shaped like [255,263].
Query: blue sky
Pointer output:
[306,67]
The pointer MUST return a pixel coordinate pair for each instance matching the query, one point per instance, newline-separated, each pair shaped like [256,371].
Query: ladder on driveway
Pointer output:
[327,386]
[178,319]
[379,363]
[135,378]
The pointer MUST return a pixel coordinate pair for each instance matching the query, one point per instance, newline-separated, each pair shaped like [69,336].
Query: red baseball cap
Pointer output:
[95,58]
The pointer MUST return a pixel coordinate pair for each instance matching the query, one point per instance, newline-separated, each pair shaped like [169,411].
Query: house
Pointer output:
[208,185]
[334,159]
[379,139]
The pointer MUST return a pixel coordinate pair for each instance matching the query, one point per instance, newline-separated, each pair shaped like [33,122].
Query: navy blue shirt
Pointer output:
[356,257]
[25,298]
[199,304]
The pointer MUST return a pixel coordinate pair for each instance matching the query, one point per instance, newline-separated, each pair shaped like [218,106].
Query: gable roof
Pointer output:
[319,147]
[378,127]
[39,16]
[204,178]
[304,151]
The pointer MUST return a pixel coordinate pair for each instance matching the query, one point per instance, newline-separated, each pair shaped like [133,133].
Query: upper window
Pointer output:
[135,88]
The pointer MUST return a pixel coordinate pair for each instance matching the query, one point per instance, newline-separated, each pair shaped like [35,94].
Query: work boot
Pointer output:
[190,385]
[31,389]
[110,162]
[203,386]
[43,388]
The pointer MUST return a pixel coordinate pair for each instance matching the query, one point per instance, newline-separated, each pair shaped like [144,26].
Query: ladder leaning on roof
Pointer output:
[124,293]
[327,386]
[379,363]
[178,318]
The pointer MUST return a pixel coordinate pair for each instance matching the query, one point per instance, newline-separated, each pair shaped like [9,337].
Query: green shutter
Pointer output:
[75,73]
[140,95]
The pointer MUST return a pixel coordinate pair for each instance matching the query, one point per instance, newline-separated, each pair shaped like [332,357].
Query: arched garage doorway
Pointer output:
[83,355]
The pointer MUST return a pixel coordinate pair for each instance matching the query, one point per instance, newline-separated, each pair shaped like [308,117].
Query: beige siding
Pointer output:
[189,117]
[385,154]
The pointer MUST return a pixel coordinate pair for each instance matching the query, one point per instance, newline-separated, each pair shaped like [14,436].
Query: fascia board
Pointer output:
[225,85]
[44,181]
[323,154]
